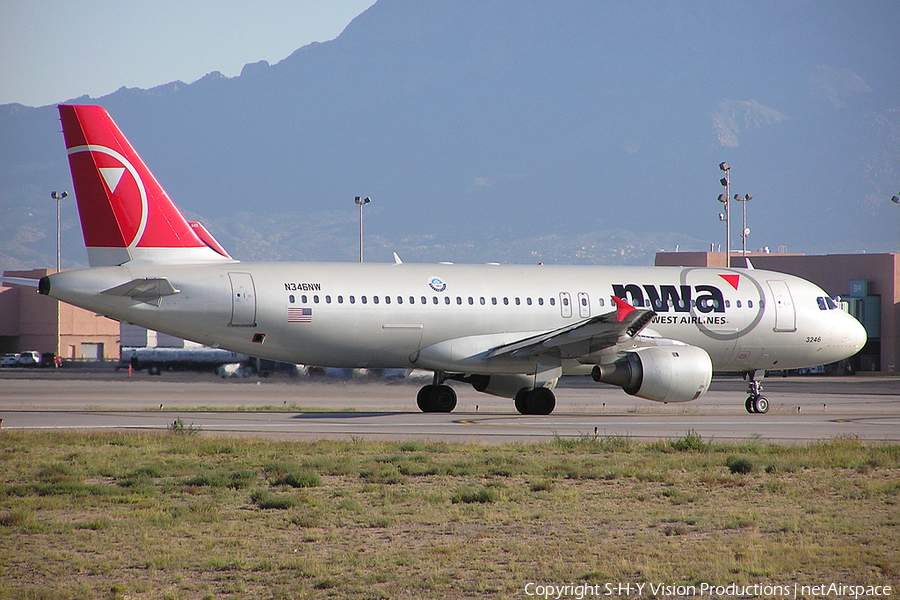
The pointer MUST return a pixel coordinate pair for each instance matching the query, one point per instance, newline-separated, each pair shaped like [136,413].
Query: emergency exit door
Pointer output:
[785,315]
[243,300]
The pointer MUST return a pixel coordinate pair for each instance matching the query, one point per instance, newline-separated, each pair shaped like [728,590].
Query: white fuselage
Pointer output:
[444,317]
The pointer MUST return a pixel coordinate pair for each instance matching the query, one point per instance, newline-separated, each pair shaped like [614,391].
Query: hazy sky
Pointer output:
[54,50]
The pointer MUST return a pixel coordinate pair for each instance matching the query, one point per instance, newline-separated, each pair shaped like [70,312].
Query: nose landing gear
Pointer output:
[756,403]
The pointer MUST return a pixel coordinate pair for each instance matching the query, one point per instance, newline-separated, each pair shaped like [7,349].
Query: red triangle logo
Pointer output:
[733,280]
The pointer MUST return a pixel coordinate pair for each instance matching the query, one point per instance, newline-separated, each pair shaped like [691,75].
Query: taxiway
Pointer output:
[803,410]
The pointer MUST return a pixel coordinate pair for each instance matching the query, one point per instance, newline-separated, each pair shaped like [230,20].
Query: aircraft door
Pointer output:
[584,305]
[243,300]
[785,315]
[565,304]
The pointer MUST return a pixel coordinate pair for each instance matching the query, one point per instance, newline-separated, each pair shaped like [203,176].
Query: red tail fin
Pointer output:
[125,213]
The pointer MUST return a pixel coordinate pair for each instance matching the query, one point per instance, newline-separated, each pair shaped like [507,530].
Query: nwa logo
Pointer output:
[680,298]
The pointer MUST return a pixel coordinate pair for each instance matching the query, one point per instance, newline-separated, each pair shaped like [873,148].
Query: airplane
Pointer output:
[508,330]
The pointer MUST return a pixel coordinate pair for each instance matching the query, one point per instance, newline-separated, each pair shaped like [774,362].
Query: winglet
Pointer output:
[623,309]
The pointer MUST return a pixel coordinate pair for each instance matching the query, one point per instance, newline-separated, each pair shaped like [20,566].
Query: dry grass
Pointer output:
[180,515]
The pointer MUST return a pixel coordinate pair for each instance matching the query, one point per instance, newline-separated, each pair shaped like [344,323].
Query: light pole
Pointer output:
[895,200]
[744,231]
[361,202]
[58,196]
[723,198]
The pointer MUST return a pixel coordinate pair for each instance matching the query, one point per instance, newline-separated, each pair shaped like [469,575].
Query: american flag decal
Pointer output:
[299,315]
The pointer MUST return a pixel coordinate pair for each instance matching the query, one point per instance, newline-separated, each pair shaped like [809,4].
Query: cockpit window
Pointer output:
[826,303]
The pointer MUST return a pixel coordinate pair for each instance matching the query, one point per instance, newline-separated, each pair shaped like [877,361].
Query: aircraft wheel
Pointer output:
[541,401]
[423,398]
[749,404]
[761,404]
[522,401]
[442,399]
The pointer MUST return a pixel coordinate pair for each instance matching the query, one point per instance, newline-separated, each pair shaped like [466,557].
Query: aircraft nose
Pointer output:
[855,333]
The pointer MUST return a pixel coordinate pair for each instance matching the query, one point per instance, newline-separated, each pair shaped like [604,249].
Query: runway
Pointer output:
[803,410]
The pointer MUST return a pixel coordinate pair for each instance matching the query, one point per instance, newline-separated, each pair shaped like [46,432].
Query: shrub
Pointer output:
[691,441]
[739,465]
[268,500]
[482,496]
[299,479]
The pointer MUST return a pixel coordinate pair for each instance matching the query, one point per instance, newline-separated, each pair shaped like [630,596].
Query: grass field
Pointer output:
[182,515]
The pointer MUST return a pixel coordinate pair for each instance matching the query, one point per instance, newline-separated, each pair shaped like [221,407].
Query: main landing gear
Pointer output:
[539,401]
[437,397]
[756,402]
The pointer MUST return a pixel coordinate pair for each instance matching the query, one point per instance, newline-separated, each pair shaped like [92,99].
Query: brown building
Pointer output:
[869,283]
[29,321]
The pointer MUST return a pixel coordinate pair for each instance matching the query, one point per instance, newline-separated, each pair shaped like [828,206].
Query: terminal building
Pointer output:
[30,321]
[869,284]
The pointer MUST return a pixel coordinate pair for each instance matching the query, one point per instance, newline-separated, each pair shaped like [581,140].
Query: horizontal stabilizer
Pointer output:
[21,281]
[145,290]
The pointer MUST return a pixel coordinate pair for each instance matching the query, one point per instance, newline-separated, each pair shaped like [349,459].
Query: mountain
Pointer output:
[577,132]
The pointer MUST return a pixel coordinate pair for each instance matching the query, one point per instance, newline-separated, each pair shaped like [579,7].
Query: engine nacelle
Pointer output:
[661,373]
[506,386]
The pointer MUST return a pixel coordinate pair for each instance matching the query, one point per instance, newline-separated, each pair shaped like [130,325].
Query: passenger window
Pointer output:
[412,300]
[387,299]
[327,299]
[738,303]
[447,299]
[399,299]
[340,299]
[528,301]
[552,301]
[540,301]
[602,303]
[303,298]
[363,299]
[494,301]
[375,299]
[352,300]
[434,299]
[505,301]
[728,304]
[482,300]
[316,298]
[424,300]
[459,300]
[749,303]
[518,302]
[471,300]
[291,298]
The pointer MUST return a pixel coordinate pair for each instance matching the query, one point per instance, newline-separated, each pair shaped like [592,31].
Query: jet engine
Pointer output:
[661,373]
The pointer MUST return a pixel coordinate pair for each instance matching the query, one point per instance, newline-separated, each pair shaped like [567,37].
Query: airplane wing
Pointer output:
[583,337]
